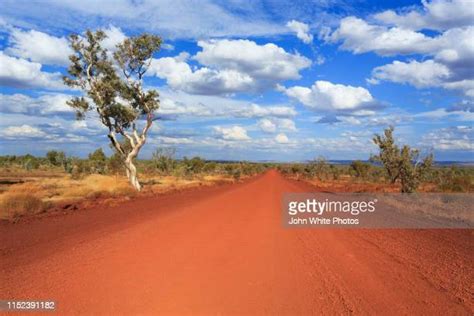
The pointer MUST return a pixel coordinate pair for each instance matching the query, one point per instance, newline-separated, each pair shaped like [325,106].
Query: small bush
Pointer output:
[319,168]
[237,174]
[335,171]
[194,165]
[97,161]
[115,164]
[17,204]
[56,158]
[454,179]
[31,164]
[360,169]
[164,160]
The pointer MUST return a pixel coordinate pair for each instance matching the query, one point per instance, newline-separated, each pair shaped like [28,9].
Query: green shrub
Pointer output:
[31,163]
[97,161]
[115,164]
[194,165]
[319,168]
[401,164]
[164,161]
[56,158]
[360,169]
[454,179]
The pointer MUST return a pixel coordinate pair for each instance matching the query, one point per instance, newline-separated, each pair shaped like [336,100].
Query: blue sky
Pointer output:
[259,80]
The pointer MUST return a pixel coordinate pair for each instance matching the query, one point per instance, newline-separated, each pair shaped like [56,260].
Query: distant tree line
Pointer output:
[163,163]
[394,164]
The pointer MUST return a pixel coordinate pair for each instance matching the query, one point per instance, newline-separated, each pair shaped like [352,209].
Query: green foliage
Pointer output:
[31,162]
[164,160]
[97,75]
[233,170]
[389,155]
[298,169]
[319,168]
[454,179]
[210,167]
[56,158]
[401,164]
[194,165]
[361,169]
[115,164]
[79,169]
[68,164]
[113,87]
[98,161]
[335,171]
[445,179]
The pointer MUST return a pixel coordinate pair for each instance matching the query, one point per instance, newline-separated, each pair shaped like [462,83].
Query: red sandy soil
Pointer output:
[224,250]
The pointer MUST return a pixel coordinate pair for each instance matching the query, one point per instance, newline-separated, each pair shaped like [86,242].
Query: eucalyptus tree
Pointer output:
[112,85]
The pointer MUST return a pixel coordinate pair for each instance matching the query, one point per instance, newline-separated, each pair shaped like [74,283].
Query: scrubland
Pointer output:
[362,176]
[42,185]
[33,186]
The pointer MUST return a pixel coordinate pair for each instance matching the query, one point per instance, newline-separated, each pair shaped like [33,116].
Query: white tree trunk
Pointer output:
[136,142]
[130,167]
[132,174]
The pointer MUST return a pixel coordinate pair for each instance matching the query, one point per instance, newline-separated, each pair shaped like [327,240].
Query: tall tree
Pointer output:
[112,84]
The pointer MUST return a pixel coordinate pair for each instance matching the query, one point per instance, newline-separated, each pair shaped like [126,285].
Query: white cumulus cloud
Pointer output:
[45,104]
[21,73]
[436,14]
[324,95]
[419,74]
[23,131]
[281,138]
[451,48]
[267,125]
[229,66]
[301,29]
[264,62]
[451,138]
[114,36]
[359,37]
[276,124]
[232,133]
[39,47]
[177,103]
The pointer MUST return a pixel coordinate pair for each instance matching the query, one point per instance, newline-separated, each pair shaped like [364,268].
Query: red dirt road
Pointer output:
[224,251]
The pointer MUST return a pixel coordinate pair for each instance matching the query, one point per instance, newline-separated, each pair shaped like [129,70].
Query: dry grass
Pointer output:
[450,206]
[14,205]
[19,172]
[38,194]
[348,184]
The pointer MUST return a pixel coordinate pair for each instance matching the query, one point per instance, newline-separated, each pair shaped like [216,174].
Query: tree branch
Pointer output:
[149,121]
[135,133]
[130,139]
[115,143]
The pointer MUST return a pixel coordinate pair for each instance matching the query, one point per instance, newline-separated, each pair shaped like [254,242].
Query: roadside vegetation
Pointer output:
[361,176]
[33,185]
[394,169]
